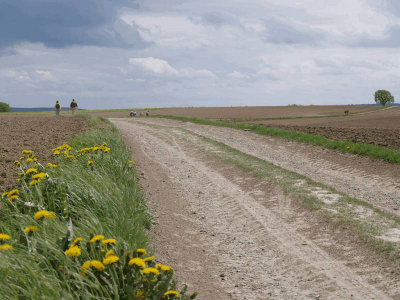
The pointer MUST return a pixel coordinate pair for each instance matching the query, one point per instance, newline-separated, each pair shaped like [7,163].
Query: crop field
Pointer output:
[241,202]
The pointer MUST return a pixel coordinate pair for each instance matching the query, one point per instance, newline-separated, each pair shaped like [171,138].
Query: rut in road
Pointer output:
[266,244]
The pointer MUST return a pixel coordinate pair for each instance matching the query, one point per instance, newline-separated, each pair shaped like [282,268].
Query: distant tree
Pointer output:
[4,107]
[382,97]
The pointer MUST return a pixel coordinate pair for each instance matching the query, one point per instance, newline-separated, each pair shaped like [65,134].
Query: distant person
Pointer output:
[57,108]
[147,113]
[73,106]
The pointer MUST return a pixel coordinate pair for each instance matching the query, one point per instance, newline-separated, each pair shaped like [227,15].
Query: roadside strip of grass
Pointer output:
[392,156]
[370,223]
[90,203]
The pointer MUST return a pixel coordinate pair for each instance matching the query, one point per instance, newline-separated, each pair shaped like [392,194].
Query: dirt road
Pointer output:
[233,235]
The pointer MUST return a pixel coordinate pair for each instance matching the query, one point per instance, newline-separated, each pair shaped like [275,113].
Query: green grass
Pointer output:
[392,156]
[104,200]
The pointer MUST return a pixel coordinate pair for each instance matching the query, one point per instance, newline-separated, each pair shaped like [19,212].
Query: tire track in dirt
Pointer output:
[256,234]
[363,178]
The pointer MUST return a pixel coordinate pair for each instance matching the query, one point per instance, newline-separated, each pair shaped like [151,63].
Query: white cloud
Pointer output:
[153,65]
[169,30]
[238,75]
[45,74]
[159,67]
[24,76]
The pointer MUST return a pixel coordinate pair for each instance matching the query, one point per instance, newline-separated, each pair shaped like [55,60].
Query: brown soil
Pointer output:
[378,128]
[235,236]
[39,133]
[247,111]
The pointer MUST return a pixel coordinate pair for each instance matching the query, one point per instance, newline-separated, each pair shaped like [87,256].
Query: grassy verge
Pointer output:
[392,156]
[77,228]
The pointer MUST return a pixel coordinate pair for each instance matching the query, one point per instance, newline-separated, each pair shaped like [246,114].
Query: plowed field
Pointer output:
[36,132]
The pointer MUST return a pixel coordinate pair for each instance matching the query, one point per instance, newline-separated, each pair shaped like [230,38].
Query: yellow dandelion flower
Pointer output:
[33,182]
[90,162]
[171,292]
[85,267]
[138,262]
[141,251]
[51,165]
[70,157]
[17,163]
[131,162]
[21,174]
[30,229]
[39,176]
[109,241]
[35,159]
[13,192]
[110,260]
[44,214]
[150,258]
[28,160]
[166,268]
[18,179]
[109,253]
[4,237]
[26,152]
[97,238]
[4,194]
[163,267]
[106,150]
[6,247]
[74,251]
[31,170]
[56,152]
[76,241]
[150,271]
[139,294]
[98,265]
[12,198]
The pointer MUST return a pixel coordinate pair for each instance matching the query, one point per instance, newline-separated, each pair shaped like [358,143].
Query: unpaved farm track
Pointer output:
[235,236]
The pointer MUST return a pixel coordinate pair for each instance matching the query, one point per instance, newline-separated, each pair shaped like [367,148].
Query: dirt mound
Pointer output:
[39,133]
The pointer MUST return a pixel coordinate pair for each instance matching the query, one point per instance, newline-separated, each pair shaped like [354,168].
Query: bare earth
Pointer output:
[37,132]
[232,235]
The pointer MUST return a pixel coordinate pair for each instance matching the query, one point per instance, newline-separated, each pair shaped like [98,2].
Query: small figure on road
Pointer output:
[133,114]
[57,108]
[73,106]
[147,113]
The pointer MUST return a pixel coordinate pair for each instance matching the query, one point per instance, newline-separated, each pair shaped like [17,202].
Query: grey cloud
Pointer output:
[278,32]
[392,40]
[57,23]
[215,19]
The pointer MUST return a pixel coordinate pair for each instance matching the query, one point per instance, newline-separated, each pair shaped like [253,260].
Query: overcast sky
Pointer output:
[164,53]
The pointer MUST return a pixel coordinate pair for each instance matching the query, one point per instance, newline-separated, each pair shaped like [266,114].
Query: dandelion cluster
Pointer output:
[3,246]
[98,259]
